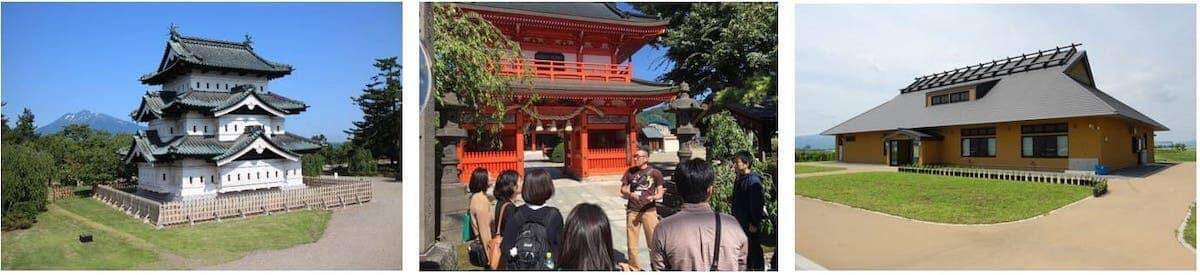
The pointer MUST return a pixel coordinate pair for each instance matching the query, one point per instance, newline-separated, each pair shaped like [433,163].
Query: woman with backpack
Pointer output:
[587,242]
[531,235]
[504,191]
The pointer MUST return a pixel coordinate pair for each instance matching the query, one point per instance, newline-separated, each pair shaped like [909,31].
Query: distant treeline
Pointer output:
[815,155]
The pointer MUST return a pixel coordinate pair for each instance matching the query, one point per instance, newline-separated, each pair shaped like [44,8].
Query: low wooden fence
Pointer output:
[1014,175]
[58,192]
[320,193]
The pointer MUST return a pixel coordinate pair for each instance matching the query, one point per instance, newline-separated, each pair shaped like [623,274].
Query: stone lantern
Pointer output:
[449,135]
[686,110]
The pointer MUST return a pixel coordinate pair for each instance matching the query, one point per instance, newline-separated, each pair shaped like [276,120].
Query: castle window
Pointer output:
[197,84]
[212,178]
[206,129]
[164,176]
[172,130]
[193,128]
[206,85]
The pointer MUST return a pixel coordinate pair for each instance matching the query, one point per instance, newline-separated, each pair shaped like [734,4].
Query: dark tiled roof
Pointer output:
[148,144]
[1035,94]
[604,11]
[158,102]
[215,54]
[1026,62]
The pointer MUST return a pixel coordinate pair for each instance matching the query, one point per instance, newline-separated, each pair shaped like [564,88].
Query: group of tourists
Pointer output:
[528,234]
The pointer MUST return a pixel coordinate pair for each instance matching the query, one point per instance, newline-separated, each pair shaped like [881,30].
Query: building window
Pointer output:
[212,179]
[548,60]
[205,129]
[172,130]
[979,147]
[950,98]
[1044,140]
[193,128]
[164,176]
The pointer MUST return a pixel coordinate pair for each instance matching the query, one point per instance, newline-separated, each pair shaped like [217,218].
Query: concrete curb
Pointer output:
[950,224]
[1182,227]
[803,263]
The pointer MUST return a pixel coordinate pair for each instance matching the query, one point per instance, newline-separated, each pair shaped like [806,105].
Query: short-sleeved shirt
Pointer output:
[641,182]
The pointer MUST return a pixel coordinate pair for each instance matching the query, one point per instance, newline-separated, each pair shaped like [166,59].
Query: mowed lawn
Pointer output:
[122,242]
[1175,156]
[941,199]
[802,168]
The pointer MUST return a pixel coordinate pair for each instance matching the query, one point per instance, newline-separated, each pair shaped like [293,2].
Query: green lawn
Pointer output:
[805,169]
[941,198]
[1189,232]
[122,242]
[1175,156]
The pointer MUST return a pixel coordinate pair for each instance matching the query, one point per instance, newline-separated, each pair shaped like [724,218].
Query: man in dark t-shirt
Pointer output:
[642,186]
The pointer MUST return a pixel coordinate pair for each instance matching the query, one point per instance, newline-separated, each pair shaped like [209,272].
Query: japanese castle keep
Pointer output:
[214,127]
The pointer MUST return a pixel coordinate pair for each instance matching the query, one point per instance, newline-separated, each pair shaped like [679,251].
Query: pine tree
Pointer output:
[24,132]
[379,130]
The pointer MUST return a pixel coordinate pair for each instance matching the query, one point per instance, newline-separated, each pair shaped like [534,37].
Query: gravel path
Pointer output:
[1133,227]
[359,237]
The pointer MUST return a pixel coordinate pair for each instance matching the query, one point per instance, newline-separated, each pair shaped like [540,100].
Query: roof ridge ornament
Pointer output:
[174,30]
[248,41]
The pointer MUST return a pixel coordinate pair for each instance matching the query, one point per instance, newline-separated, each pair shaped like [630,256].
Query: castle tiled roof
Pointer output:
[148,146]
[203,53]
[604,12]
[158,103]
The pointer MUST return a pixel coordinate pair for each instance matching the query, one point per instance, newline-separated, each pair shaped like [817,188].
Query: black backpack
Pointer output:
[531,247]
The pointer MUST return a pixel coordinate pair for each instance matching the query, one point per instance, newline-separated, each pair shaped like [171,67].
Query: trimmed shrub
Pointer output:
[815,155]
[1100,188]
[361,163]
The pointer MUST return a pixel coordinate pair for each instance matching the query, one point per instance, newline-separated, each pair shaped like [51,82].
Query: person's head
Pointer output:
[539,187]
[479,181]
[742,162]
[693,179]
[506,185]
[586,240]
[641,157]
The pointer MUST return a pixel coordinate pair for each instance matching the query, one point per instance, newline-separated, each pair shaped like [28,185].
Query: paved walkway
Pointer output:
[1133,227]
[358,237]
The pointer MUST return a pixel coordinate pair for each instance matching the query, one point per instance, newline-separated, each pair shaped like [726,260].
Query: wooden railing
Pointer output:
[494,161]
[607,160]
[1013,175]
[568,70]
[319,193]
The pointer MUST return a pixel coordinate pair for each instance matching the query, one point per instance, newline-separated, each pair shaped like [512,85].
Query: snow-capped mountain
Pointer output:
[97,121]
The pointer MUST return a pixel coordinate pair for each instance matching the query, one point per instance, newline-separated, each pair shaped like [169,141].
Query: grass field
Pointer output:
[122,242]
[806,169]
[1189,231]
[941,198]
[1175,156]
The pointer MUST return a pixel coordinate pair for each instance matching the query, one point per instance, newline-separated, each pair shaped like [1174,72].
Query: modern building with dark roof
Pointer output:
[213,127]
[1036,111]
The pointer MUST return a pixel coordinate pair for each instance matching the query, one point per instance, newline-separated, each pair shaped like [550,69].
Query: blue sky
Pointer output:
[850,58]
[62,58]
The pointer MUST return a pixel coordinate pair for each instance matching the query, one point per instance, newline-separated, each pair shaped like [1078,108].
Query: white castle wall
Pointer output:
[193,178]
[232,126]
[213,81]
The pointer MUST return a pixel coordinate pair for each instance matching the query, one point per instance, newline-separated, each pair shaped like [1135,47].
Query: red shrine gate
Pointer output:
[580,55]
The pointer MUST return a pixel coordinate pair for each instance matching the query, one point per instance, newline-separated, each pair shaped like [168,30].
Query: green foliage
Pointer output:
[721,199]
[1189,231]
[466,49]
[725,137]
[756,89]
[1100,188]
[815,155]
[86,156]
[24,131]
[312,165]
[359,161]
[657,116]
[1175,154]
[558,154]
[715,46]
[26,180]
[379,130]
